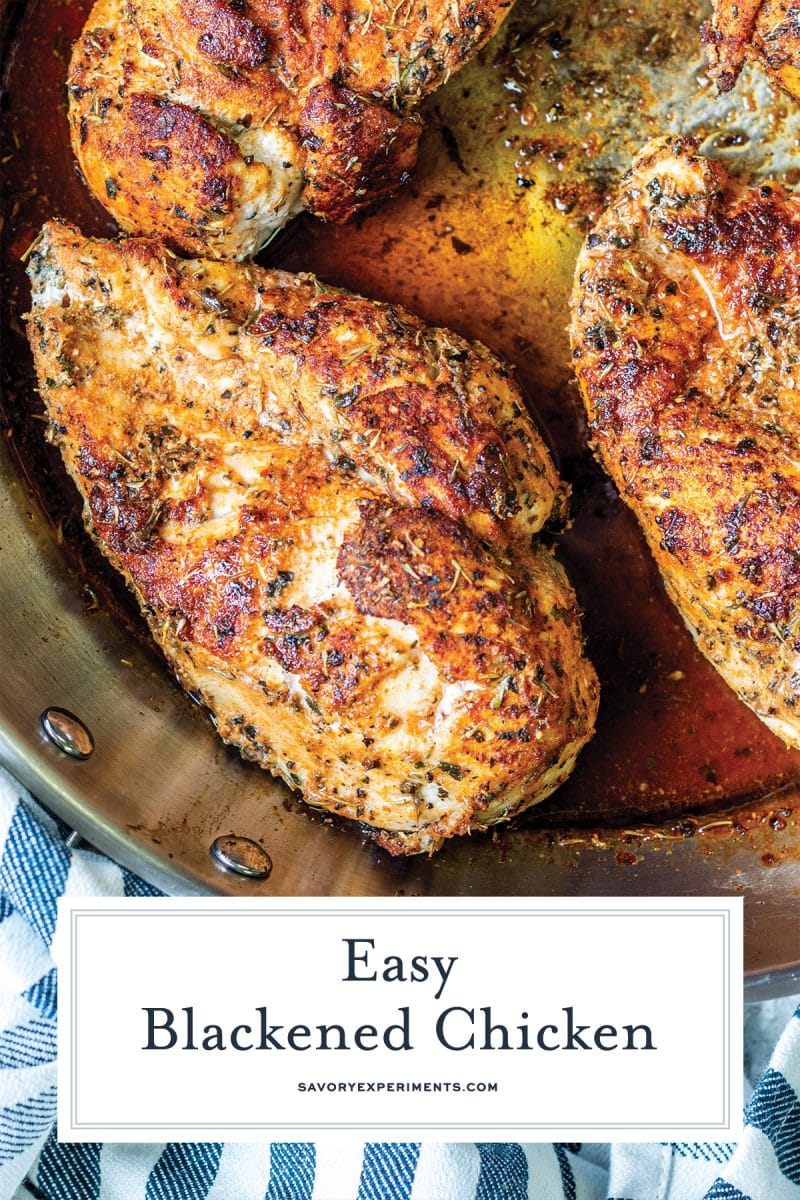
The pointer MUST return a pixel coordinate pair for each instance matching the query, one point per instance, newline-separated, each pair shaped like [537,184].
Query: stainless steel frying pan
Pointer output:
[522,147]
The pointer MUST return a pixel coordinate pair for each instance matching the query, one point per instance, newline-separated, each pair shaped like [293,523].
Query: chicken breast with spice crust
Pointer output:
[212,122]
[686,336]
[329,514]
[767,30]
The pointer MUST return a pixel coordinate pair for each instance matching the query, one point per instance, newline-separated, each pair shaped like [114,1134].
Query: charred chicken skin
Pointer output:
[329,515]
[686,342]
[210,123]
[768,30]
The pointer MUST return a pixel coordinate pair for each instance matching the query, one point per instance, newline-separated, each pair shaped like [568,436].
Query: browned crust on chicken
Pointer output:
[356,151]
[329,514]
[211,123]
[686,336]
[768,30]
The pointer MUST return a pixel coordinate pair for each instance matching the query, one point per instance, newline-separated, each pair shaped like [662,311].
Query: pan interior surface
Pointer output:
[683,790]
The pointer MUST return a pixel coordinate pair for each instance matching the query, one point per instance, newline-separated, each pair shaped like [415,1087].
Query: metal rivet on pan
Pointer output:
[67,732]
[241,855]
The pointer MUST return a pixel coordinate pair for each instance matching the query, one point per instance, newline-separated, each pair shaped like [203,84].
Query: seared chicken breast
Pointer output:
[768,30]
[329,514]
[212,122]
[686,336]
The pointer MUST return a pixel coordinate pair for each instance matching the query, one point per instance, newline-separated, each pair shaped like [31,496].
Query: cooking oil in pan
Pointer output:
[522,149]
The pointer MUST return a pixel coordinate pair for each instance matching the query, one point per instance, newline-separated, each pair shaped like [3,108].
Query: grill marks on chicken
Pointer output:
[686,336]
[328,513]
[211,123]
[768,30]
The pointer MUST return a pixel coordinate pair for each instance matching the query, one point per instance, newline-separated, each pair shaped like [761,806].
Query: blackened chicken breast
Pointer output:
[211,123]
[767,30]
[686,342]
[330,515]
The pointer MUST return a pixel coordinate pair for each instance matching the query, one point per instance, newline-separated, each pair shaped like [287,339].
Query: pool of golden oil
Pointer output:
[521,151]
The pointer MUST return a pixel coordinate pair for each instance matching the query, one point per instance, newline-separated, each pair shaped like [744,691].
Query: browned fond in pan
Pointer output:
[522,148]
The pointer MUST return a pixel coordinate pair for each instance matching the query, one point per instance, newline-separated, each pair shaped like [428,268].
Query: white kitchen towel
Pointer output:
[37,867]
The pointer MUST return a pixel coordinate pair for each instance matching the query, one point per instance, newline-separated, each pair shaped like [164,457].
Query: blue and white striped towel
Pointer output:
[36,868]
